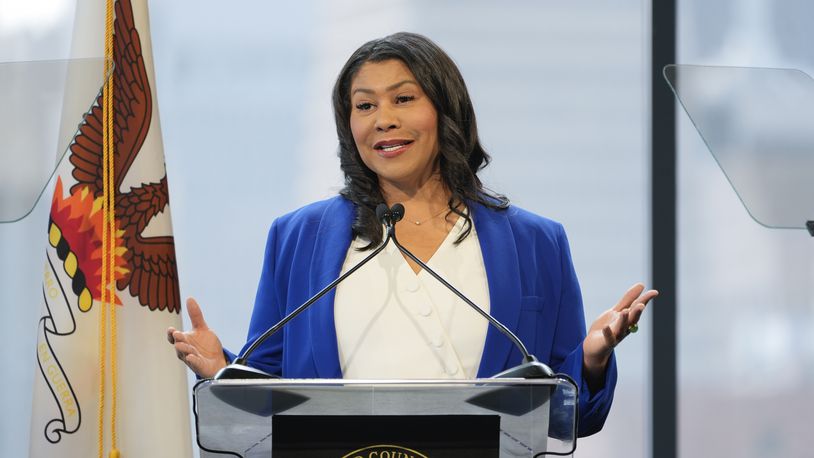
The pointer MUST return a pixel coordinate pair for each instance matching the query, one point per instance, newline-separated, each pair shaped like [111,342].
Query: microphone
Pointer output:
[531,367]
[240,370]
[390,216]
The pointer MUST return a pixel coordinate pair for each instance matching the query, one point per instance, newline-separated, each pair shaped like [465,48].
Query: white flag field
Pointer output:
[105,378]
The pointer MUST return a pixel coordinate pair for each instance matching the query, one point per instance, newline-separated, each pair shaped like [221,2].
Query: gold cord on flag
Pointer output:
[108,291]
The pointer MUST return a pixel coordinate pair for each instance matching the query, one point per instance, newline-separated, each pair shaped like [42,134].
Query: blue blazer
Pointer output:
[533,290]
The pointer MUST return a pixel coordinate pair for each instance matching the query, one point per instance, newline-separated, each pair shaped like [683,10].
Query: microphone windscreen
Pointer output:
[397,212]
[381,212]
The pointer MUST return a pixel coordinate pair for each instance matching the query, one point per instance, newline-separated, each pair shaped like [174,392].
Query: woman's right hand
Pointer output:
[199,348]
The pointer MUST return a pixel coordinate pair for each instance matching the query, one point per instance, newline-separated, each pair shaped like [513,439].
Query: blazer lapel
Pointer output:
[333,238]
[503,274]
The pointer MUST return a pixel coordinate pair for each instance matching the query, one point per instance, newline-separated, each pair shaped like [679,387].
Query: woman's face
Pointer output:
[394,124]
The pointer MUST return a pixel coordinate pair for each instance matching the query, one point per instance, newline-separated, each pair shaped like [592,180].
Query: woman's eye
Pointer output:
[404,98]
[364,106]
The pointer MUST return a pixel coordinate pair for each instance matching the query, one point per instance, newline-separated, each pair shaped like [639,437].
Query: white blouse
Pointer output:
[392,323]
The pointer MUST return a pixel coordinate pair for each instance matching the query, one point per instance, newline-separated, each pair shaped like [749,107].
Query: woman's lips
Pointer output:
[392,149]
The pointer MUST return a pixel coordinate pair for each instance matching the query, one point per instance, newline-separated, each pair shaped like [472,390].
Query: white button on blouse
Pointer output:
[392,323]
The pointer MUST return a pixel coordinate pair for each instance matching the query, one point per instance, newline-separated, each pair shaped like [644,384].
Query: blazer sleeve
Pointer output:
[567,354]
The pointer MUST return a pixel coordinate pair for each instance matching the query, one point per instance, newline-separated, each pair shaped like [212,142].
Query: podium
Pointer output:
[386,418]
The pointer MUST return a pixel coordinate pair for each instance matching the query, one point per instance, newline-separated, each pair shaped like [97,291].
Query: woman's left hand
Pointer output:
[611,328]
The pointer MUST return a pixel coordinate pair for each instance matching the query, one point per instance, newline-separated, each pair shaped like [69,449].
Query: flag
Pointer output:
[106,381]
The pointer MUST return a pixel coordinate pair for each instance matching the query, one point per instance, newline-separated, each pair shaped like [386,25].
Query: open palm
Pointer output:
[199,348]
[613,325]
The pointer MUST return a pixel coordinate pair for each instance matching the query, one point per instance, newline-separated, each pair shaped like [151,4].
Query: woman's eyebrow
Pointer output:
[387,89]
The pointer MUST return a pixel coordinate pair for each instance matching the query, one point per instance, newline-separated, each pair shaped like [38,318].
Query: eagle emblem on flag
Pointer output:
[151,272]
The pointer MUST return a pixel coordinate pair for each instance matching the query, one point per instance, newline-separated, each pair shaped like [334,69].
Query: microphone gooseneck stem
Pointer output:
[527,357]
[272,330]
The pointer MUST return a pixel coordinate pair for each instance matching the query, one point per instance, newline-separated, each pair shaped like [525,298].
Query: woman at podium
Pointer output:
[407,134]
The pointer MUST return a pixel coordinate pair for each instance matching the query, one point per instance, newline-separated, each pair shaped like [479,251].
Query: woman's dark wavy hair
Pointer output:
[461,155]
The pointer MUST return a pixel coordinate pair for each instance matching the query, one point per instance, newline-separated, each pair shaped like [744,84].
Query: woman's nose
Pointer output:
[386,119]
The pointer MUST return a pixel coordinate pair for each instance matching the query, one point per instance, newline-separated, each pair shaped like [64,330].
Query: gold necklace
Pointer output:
[419,223]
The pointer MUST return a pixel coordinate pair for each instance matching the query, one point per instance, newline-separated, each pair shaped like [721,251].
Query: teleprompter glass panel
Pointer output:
[42,104]
[756,122]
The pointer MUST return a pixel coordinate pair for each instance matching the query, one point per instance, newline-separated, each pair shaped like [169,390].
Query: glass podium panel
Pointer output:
[757,123]
[536,417]
[42,104]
